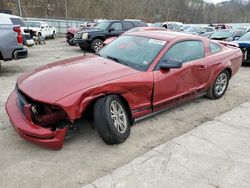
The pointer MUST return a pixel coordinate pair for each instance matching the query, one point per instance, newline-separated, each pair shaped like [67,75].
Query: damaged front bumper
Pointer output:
[31,131]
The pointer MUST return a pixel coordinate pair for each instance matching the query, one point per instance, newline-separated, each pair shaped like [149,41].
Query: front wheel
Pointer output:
[111,119]
[53,36]
[219,87]
[97,45]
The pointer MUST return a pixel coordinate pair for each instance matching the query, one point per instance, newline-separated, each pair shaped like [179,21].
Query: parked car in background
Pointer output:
[42,29]
[200,30]
[172,26]
[221,26]
[11,38]
[184,27]
[227,34]
[244,44]
[93,39]
[71,33]
[135,76]
[246,29]
[136,29]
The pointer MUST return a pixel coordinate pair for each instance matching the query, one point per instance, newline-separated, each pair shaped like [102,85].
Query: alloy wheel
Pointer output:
[118,117]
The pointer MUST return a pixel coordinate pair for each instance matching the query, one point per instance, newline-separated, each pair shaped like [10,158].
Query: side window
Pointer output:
[170,26]
[186,51]
[116,26]
[203,30]
[17,21]
[214,48]
[127,26]
[209,30]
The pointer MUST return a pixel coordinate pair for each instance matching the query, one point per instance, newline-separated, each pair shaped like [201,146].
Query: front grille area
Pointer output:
[45,115]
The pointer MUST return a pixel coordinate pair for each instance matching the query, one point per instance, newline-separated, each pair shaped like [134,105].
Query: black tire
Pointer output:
[53,36]
[96,45]
[105,124]
[213,93]
[71,42]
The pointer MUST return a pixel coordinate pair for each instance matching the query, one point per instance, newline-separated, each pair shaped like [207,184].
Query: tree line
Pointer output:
[187,11]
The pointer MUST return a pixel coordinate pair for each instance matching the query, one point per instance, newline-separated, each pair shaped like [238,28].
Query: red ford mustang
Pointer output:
[137,75]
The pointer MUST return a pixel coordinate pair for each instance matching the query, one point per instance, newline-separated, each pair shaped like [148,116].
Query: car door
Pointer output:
[174,85]
[115,29]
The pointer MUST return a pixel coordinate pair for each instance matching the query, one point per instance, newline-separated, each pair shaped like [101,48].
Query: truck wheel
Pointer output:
[111,120]
[219,87]
[53,35]
[96,45]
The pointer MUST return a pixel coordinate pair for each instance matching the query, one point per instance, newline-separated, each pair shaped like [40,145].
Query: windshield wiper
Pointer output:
[118,60]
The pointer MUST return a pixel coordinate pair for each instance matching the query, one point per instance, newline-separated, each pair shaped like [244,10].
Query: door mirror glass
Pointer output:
[171,64]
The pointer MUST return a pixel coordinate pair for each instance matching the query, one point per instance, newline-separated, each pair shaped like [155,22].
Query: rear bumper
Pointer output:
[20,53]
[30,131]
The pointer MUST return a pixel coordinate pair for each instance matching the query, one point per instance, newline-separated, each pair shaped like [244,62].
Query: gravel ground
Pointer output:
[85,157]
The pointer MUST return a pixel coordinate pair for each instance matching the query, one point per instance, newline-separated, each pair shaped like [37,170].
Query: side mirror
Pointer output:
[111,29]
[202,32]
[171,64]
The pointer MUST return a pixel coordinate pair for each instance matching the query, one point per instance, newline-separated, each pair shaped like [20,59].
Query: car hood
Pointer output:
[55,81]
[243,43]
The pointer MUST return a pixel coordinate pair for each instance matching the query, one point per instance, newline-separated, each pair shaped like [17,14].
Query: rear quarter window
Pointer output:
[214,48]
[17,21]
[128,26]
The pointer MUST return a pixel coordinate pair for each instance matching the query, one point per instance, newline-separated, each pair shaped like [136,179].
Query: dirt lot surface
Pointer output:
[85,157]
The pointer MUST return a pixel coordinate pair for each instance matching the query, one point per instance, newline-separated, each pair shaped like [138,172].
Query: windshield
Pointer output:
[193,29]
[223,34]
[245,37]
[33,24]
[102,26]
[133,51]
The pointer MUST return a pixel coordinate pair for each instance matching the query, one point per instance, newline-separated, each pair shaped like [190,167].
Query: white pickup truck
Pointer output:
[42,29]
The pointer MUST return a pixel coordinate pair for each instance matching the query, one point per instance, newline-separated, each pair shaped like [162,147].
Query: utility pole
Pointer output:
[19,7]
[66,13]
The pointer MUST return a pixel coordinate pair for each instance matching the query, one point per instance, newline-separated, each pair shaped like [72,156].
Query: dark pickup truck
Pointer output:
[93,38]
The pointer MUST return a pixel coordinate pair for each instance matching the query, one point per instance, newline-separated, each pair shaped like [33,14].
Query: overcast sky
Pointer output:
[214,1]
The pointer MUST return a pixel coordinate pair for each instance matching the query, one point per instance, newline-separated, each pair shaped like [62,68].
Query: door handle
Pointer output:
[200,67]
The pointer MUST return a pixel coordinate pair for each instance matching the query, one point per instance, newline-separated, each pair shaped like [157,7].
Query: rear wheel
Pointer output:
[53,35]
[219,87]
[97,45]
[111,119]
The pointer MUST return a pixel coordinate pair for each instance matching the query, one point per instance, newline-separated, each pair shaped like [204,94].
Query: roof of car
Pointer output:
[165,35]
[6,18]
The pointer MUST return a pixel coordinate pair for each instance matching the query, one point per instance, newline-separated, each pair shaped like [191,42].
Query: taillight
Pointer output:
[19,35]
